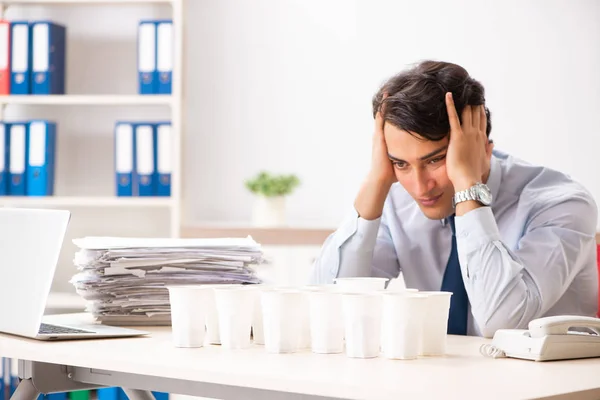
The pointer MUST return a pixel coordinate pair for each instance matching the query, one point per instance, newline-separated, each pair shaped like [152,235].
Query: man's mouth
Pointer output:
[429,201]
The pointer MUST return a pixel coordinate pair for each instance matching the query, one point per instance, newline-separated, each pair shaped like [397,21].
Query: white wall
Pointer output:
[286,85]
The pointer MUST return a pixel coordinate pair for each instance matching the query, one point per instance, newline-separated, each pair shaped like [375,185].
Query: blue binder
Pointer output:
[145,160]
[164,55]
[3,372]
[48,57]
[124,158]
[13,367]
[18,158]
[41,158]
[110,393]
[122,396]
[57,396]
[20,57]
[163,147]
[4,157]
[146,57]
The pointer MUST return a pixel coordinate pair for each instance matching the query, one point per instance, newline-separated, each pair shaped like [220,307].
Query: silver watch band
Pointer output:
[464,196]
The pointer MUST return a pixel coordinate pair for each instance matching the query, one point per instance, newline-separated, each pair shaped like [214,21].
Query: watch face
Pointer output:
[484,194]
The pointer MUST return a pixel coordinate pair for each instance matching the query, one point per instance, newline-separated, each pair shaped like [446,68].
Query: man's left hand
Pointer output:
[467,159]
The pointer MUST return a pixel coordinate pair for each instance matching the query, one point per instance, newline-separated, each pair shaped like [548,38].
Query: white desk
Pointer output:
[152,363]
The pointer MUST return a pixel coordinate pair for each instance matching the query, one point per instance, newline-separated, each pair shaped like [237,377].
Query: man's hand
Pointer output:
[467,159]
[371,197]
[382,169]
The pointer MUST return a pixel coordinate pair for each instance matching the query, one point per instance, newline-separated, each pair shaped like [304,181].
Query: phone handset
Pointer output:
[560,325]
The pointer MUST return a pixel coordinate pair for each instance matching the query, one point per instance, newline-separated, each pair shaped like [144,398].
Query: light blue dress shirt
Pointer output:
[531,254]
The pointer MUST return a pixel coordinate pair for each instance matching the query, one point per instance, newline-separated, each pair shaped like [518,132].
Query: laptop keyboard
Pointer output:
[46,329]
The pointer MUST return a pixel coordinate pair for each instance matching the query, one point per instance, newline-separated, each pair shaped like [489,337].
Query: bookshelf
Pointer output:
[67,2]
[172,103]
[85,201]
[87,100]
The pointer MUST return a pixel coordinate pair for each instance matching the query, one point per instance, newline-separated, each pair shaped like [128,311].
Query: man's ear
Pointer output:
[488,148]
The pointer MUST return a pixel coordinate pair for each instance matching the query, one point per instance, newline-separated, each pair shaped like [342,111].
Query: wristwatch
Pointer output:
[479,192]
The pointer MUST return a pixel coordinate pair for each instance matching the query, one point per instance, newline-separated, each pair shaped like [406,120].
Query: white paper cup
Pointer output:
[235,308]
[402,325]
[283,319]
[360,284]
[326,321]
[188,315]
[212,318]
[258,331]
[362,324]
[435,323]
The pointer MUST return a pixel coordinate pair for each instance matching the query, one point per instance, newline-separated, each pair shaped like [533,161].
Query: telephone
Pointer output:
[559,337]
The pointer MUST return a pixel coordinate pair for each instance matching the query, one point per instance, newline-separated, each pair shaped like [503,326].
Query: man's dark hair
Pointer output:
[416,98]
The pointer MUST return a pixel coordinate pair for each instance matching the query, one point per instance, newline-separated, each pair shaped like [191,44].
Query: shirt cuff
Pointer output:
[476,228]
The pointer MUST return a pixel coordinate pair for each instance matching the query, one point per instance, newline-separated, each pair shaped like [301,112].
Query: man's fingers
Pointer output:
[379,122]
[467,118]
[482,119]
[475,116]
[452,115]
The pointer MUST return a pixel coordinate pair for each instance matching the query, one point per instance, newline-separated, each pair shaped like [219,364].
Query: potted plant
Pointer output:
[271,191]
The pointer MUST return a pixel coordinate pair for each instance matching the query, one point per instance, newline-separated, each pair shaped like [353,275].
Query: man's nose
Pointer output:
[423,182]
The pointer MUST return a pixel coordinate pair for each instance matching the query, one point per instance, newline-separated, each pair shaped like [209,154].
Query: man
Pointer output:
[512,241]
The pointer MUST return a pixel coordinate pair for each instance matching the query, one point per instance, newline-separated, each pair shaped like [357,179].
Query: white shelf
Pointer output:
[92,100]
[42,2]
[73,201]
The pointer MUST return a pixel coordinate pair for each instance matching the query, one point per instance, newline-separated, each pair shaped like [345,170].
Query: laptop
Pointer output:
[30,245]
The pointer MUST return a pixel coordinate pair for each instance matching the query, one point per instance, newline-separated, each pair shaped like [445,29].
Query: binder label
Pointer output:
[165,50]
[37,144]
[17,150]
[124,162]
[20,50]
[164,149]
[144,153]
[4,51]
[147,50]
[41,52]
[2,147]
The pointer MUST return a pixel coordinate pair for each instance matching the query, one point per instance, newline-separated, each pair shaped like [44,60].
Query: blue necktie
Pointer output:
[453,282]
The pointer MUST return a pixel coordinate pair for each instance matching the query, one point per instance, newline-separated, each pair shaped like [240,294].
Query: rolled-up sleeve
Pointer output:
[359,247]
[507,289]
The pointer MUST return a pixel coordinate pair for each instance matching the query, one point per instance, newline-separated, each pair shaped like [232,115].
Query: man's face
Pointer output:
[420,167]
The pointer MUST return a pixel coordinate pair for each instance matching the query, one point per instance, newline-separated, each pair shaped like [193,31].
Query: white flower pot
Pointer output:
[268,211]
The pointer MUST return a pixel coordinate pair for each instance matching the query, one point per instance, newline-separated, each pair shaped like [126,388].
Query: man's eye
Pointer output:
[399,165]
[436,160]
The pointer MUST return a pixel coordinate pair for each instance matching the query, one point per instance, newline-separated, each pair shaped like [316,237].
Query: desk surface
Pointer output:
[464,372]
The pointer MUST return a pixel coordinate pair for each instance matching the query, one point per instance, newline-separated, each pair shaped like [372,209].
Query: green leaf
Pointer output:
[271,185]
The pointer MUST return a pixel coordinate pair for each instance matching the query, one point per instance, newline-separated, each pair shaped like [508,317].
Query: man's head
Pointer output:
[417,128]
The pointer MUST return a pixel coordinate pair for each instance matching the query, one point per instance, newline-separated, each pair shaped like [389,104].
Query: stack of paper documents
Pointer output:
[125,279]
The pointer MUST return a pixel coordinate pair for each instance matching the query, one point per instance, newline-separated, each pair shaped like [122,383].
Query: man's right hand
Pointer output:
[371,197]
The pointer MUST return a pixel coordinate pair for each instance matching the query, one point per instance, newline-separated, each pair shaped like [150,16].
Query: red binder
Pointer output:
[4,57]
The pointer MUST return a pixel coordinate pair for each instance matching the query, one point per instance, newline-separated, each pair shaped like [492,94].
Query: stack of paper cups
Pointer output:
[402,326]
[235,306]
[188,314]
[435,323]
[362,323]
